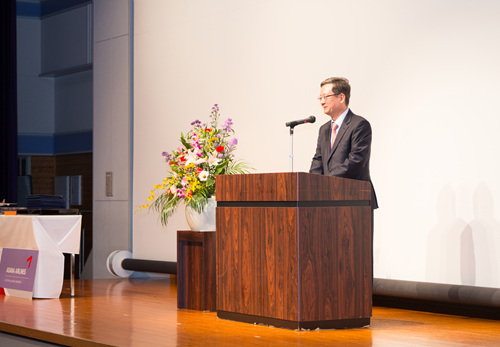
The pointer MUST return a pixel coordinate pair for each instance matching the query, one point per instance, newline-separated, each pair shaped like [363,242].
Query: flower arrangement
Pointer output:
[206,151]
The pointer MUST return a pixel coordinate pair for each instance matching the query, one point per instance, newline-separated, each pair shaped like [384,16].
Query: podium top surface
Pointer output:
[290,186]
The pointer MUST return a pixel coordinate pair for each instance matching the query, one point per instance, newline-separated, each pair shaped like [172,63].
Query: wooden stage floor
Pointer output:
[143,312]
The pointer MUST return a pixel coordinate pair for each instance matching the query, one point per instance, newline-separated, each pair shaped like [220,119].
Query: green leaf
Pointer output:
[184,142]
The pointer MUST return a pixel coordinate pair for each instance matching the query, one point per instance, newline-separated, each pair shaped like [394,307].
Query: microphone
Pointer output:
[293,123]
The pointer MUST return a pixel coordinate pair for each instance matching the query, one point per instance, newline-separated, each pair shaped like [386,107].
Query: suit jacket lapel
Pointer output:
[343,129]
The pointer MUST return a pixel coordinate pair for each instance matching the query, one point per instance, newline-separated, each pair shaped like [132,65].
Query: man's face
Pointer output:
[333,105]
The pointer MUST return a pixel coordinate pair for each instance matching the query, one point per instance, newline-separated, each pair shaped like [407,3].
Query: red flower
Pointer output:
[208,129]
[220,149]
[183,158]
[198,170]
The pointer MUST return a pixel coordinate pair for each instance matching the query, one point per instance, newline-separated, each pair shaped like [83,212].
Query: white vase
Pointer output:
[204,221]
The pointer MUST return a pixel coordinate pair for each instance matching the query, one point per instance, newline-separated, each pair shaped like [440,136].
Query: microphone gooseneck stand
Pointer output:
[291,145]
[292,125]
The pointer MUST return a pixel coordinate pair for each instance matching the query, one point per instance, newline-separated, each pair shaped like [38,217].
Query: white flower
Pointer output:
[203,175]
[173,189]
[212,159]
[192,157]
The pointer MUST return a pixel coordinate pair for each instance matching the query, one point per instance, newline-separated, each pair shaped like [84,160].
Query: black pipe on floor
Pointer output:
[392,291]
[456,294]
[457,300]
[143,265]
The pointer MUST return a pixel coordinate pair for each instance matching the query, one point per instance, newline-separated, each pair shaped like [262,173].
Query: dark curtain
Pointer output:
[8,102]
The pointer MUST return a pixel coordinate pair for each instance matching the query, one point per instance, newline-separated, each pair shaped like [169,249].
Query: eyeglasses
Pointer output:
[326,97]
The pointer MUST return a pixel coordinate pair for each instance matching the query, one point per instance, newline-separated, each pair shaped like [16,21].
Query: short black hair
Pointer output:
[340,85]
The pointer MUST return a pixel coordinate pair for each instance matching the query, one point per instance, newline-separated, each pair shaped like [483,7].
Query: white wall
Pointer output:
[112,140]
[423,72]
[35,95]
[66,39]
[62,104]
[67,44]
[73,102]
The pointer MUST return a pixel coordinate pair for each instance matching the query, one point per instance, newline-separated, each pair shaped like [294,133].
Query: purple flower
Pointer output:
[168,156]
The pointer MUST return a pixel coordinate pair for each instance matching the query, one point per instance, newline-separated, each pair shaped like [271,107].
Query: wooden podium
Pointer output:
[294,250]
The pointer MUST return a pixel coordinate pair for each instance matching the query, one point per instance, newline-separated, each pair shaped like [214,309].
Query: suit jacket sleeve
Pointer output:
[317,160]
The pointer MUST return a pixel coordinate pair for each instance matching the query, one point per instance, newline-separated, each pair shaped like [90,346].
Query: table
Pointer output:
[196,270]
[51,236]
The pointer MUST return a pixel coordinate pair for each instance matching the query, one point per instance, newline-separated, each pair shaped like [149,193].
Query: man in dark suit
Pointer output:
[344,142]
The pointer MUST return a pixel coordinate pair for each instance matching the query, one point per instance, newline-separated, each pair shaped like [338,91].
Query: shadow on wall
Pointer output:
[486,235]
[464,253]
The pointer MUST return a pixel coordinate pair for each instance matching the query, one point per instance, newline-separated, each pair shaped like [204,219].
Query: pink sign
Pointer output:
[17,271]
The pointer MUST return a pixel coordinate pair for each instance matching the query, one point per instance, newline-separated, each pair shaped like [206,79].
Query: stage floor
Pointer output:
[143,312]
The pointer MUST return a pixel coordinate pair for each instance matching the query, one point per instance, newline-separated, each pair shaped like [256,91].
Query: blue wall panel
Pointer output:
[73,143]
[47,7]
[53,145]
[35,144]
[26,9]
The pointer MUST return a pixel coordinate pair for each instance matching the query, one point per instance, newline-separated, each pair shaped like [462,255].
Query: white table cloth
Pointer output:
[51,236]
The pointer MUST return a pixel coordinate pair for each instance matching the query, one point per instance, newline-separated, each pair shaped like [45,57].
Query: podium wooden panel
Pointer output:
[294,250]
[196,270]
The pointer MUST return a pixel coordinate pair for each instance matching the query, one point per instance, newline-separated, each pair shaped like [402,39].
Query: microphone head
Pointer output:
[310,119]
